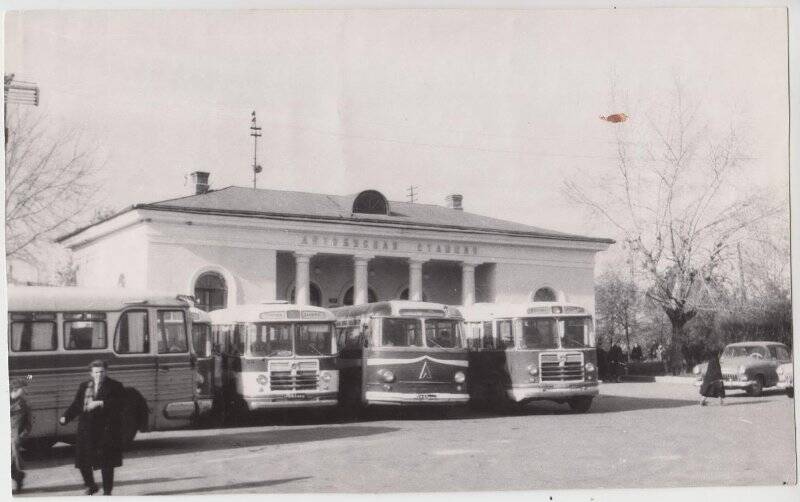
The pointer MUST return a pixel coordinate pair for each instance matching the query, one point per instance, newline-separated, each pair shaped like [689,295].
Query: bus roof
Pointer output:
[486,311]
[398,308]
[261,312]
[73,299]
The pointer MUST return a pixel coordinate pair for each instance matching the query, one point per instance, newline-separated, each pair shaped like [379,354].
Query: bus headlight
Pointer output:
[387,375]
[459,377]
[696,369]
[533,370]
[261,379]
[326,376]
[779,371]
[589,367]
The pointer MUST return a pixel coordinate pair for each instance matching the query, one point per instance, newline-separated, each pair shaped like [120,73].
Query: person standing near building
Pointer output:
[20,426]
[615,362]
[98,406]
[712,385]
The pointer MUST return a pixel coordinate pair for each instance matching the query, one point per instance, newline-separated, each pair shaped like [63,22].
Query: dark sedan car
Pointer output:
[749,366]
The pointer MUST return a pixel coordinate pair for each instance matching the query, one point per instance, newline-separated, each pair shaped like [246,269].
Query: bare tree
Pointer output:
[616,301]
[50,183]
[674,195]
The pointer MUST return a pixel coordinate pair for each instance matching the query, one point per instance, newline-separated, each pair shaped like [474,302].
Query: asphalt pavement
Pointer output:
[637,435]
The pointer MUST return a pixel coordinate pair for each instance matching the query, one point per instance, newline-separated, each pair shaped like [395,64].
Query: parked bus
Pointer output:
[401,352]
[542,350]
[274,355]
[203,360]
[54,333]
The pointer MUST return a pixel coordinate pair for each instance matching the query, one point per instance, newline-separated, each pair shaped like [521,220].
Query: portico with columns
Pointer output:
[239,245]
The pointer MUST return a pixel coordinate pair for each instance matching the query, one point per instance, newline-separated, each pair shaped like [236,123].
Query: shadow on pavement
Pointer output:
[78,488]
[224,439]
[234,486]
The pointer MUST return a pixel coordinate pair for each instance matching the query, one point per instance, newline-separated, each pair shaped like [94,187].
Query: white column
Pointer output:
[415,279]
[360,280]
[301,278]
[467,283]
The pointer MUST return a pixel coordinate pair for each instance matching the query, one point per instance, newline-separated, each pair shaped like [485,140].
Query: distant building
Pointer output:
[241,245]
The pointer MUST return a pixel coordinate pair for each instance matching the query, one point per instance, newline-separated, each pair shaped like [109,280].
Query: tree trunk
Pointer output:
[678,318]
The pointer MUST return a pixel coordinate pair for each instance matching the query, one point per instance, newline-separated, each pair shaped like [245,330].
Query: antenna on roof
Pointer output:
[255,134]
[412,196]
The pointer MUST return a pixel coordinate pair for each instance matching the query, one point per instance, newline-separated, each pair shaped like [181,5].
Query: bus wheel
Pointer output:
[580,404]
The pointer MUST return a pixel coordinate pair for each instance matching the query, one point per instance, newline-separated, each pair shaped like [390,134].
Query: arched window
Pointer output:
[314,295]
[371,202]
[404,295]
[544,295]
[211,292]
[348,296]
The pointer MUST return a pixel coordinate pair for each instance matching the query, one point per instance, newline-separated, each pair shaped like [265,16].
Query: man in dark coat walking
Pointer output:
[98,405]
[712,385]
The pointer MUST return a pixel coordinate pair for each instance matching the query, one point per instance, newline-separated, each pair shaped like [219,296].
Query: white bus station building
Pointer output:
[241,245]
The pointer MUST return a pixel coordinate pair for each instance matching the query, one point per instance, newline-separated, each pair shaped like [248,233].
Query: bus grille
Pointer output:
[293,375]
[569,368]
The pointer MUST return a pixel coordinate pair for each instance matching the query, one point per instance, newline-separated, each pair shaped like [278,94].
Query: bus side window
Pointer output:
[488,336]
[132,335]
[85,331]
[33,336]
[237,343]
[505,338]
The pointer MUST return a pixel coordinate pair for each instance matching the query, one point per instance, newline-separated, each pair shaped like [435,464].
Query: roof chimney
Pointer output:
[200,182]
[454,201]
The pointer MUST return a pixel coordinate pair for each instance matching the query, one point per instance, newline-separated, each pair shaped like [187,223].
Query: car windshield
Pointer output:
[401,332]
[539,334]
[443,333]
[313,339]
[755,351]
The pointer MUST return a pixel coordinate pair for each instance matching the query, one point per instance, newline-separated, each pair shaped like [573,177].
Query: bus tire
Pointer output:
[580,404]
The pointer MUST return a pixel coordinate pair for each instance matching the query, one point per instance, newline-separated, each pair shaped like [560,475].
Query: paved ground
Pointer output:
[637,435]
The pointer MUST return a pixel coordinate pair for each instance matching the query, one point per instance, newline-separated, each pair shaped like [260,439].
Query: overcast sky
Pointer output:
[495,105]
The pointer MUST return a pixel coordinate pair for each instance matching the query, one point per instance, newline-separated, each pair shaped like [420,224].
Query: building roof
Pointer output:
[280,204]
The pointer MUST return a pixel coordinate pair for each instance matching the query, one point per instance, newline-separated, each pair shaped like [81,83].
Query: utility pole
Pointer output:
[412,196]
[18,92]
[256,133]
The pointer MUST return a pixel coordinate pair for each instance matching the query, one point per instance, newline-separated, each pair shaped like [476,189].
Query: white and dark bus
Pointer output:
[401,352]
[274,355]
[525,352]
[54,333]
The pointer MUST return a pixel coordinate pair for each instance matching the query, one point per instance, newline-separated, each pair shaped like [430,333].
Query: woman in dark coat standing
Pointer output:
[98,406]
[712,385]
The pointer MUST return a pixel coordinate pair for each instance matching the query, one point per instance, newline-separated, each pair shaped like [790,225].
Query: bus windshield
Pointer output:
[275,339]
[576,333]
[269,340]
[538,334]
[443,333]
[313,339]
[401,332]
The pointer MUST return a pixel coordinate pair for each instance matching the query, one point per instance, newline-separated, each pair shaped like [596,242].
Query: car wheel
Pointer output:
[790,392]
[756,389]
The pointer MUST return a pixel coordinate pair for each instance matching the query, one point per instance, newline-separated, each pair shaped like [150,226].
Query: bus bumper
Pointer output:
[181,410]
[204,406]
[379,397]
[554,391]
[309,401]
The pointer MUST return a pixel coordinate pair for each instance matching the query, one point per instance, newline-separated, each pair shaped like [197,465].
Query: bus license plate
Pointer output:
[295,396]
[426,397]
